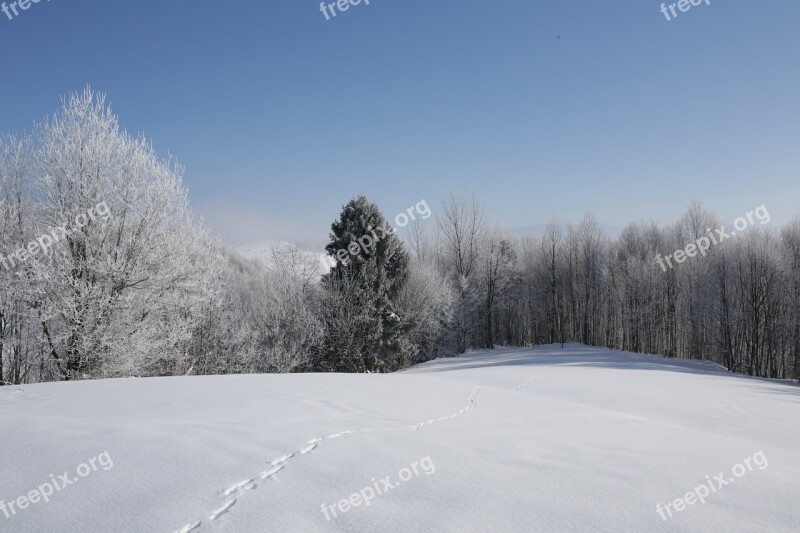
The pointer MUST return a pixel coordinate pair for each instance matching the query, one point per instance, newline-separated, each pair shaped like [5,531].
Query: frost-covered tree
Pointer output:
[461,223]
[119,266]
[18,306]
[790,252]
[370,272]
[496,276]
[426,308]
[266,319]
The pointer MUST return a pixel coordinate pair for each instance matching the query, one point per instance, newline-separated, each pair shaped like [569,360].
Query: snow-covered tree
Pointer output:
[371,270]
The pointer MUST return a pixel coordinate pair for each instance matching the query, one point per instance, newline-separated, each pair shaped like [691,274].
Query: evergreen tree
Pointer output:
[371,269]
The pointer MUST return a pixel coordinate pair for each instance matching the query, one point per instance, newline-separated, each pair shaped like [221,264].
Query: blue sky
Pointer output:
[541,107]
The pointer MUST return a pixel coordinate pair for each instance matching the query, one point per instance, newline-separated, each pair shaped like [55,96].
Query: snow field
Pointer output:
[545,440]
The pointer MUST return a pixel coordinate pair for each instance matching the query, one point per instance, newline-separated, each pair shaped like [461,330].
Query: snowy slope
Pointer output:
[262,252]
[579,439]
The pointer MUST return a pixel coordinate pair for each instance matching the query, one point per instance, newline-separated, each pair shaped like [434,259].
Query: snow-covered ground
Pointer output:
[579,439]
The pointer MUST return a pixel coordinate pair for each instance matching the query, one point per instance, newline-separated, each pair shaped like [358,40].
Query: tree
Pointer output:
[496,272]
[551,254]
[371,270]
[426,308]
[790,239]
[461,224]
[126,279]
[17,307]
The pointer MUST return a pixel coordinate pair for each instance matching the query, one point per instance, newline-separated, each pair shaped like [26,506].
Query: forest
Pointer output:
[148,290]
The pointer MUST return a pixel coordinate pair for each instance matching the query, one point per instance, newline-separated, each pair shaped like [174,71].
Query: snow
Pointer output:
[262,251]
[549,439]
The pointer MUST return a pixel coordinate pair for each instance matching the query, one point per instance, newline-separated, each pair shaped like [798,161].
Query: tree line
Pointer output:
[149,291]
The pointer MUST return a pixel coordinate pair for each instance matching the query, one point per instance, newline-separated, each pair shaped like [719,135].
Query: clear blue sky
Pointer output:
[280,116]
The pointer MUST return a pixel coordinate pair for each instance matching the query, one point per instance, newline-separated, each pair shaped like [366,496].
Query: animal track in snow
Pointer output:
[526,383]
[222,510]
[266,474]
[188,527]
[472,403]
[233,488]
[279,463]
[309,448]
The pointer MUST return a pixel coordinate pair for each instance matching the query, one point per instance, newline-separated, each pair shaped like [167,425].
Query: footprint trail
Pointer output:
[278,464]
